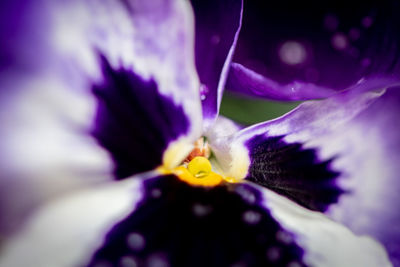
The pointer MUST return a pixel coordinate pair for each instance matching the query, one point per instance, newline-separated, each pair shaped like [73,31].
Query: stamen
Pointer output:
[196,169]
[201,149]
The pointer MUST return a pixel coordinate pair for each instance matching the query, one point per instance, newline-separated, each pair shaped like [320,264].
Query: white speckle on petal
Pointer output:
[251,217]
[201,210]
[273,254]
[156,193]
[128,261]
[292,53]
[284,237]
[339,41]
[135,241]
[157,260]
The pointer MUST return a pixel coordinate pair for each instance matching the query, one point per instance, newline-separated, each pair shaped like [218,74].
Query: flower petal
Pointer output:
[180,225]
[305,50]
[217,29]
[325,243]
[66,231]
[355,137]
[52,58]
[176,224]
[134,122]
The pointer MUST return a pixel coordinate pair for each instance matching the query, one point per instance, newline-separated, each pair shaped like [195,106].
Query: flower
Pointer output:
[107,107]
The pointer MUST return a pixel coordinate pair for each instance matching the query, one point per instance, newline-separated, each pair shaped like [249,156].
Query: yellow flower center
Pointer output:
[197,172]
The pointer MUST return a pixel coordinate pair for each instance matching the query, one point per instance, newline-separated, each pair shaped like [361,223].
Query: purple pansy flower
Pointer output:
[113,153]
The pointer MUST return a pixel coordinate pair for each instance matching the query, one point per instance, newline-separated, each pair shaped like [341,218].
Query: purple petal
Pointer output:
[217,28]
[325,242]
[50,62]
[290,46]
[65,232]
[292,171]
[359,137]
[180,225]
[134,122]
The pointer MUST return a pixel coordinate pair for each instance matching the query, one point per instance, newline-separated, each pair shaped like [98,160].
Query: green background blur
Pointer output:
[247,111]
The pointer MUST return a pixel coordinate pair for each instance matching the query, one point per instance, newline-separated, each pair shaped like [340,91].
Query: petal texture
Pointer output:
[134,122]
[303,50]
[217,29]
[66,231]
[357,138]
[180,225]
[53,56]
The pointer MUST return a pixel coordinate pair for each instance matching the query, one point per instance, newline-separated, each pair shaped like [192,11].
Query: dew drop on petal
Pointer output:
[273,254]
[157,260]
[339,41]
[203,91]
[156,193]
[284,237]
[201,210]
[251,217]
[246,194]
[292,53]
[128,261]
[135,241]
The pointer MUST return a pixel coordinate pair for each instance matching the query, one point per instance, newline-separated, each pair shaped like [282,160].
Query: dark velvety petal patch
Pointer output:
[180,225]
[217,23]
[331,44]
[134,122]
[292,171]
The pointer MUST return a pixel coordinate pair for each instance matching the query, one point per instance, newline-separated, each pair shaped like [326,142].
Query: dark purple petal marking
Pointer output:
[217,25]
[134,122]
[292,171]
[180,225]
[294,44]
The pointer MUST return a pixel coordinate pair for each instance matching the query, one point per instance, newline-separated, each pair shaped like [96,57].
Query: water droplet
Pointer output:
[292,53]
[284,237]
[246,194]
[273,254]
[201,210]
[339,41]
[135,241]
[203,91]
[251,217]
[156,193]
[331,22]
[157,260]
[128,261]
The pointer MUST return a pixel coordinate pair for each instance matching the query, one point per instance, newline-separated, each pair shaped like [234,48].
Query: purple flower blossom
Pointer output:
[106,107]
